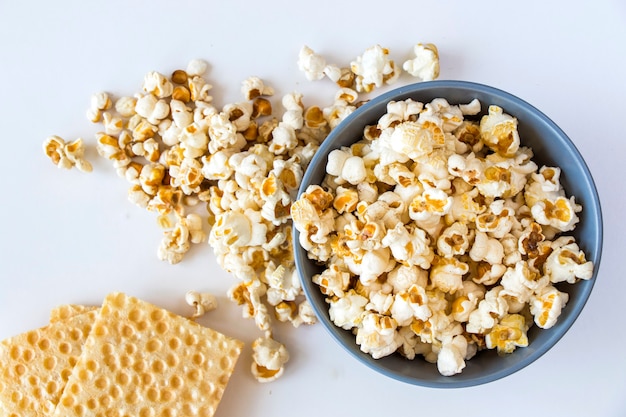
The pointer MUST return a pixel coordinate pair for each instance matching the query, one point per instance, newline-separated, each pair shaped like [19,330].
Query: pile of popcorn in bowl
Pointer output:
[428,228]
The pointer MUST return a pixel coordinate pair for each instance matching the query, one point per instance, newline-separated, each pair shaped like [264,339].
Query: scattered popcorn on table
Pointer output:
[445,237]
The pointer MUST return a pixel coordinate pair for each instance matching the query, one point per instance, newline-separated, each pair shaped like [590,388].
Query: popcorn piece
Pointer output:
[269,358]
[559,213]
[67,155]
[446,274]
[466,301]
[451,357]
[199,89]
[201,302]
[157,84]
[432,203]
[454,240]
[314,66]
[253,87]
[112,124]
[152,108]
[377,335]
[425,64]
[333,280]
[543,185]
[546,306]
[486,249]
[99,102]
[347,311]
[176,241]
[499,132]
[567,263]
[489,311]
[125,106]
[508,335]
[249,295]
[373,68]
[521,282]
[197,67]
[410,304]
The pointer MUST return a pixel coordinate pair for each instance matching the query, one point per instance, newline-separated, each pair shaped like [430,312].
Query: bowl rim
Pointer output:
[320,156]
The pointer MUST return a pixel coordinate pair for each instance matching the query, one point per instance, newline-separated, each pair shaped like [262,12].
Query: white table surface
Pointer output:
[70,237]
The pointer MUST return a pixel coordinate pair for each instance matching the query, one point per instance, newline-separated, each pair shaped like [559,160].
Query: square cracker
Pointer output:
[142,360]
[35,365]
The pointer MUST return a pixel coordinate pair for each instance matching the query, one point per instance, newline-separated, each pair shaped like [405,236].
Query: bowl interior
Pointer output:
[551,147]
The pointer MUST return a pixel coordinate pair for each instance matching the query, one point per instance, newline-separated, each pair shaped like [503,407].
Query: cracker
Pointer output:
[142,360]
[65,311]
[35,365]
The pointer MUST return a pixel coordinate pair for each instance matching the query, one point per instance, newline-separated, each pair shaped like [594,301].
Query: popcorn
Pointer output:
[486,249]
[67,155]
[508,335]
[374,68]
[567,263]
[197,67]
[177,240]
[269,358]
[253,87]
[425,65]
[99,102]
[559,213]
[451,357]
[499,132]
[156,84]
[454,240]
[201,302]
[377,335]
[314,66]
[249,294]
[410,304]
[347,311]
[125,106]
[546,306]
[446,274]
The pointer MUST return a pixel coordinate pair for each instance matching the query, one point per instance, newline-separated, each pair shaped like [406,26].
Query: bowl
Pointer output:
[551,146]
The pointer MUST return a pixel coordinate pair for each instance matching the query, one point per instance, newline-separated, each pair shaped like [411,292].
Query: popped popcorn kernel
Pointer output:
[425,64]
[508,335]
[499,131]
[67,155]
[269,358]
[546,306]
[373,68]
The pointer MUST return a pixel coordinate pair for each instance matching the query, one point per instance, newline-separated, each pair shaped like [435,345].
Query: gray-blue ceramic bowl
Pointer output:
[552,147]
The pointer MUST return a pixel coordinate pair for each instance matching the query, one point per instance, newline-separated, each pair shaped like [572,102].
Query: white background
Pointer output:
[70,237]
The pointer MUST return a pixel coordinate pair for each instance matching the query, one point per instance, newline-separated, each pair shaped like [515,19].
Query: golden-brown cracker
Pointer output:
[65,311]
[142,360]
[35,366]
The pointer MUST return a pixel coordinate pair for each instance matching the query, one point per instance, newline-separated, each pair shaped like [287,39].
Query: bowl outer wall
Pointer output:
[550,146]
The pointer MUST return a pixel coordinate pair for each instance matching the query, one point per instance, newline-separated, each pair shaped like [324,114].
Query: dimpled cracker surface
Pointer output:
[35,366]
[143,361]
[66,311]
